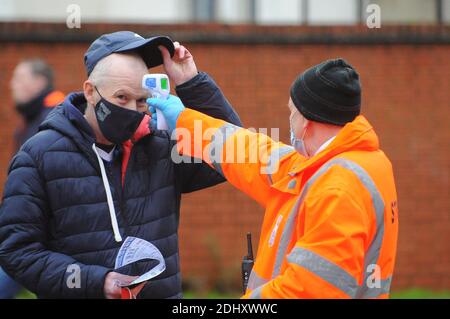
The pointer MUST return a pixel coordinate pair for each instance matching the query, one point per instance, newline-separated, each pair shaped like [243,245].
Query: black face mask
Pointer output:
[116,123]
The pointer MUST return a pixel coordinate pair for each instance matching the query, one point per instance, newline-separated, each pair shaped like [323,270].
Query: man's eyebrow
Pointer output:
[145,93]
[140,93]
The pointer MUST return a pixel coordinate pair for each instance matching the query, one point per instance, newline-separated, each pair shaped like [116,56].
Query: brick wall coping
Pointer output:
[233,34]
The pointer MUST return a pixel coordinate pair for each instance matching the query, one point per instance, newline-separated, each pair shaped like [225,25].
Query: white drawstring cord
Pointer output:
[112,211]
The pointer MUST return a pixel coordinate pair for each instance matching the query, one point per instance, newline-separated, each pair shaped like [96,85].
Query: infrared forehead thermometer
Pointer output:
[159,87]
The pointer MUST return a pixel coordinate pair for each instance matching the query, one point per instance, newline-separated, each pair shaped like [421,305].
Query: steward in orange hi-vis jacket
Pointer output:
[331,220]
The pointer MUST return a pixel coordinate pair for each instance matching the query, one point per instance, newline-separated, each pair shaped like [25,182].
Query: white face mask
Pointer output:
[299,143]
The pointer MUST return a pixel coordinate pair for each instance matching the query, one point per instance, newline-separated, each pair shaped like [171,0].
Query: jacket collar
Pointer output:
[68,119]
[356,135]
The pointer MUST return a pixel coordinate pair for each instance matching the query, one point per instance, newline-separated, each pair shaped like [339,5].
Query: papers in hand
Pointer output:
[135,249]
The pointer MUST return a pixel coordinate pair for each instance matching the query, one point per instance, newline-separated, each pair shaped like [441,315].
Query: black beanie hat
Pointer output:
[329,92]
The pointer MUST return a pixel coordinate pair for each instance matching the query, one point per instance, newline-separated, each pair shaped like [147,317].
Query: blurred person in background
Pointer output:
[34,98]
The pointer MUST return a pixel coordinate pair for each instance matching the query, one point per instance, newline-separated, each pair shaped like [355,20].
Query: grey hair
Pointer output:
[40,68]
[100,71]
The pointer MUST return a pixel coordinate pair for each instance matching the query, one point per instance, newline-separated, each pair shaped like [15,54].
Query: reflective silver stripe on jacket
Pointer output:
[300,257]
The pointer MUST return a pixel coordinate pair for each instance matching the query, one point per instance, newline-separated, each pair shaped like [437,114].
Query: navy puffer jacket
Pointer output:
[54,212]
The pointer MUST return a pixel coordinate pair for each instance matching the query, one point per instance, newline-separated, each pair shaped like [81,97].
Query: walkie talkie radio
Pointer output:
[247,263]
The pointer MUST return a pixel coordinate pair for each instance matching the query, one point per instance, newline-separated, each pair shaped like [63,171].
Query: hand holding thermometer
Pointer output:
[159,87]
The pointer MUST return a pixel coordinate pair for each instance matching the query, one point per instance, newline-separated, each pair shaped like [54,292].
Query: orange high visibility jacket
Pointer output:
[330,224]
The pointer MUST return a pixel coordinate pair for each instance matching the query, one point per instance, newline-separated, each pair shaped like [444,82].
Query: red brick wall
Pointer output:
[406,96]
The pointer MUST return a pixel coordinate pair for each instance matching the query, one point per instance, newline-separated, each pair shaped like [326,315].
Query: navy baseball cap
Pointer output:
[123,41]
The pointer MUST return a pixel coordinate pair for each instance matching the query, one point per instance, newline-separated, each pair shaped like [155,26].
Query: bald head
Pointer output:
[118,65]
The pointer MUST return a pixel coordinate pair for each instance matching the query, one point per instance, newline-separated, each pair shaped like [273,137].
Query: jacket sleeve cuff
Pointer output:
[95,281]
[192,92]
[186,86]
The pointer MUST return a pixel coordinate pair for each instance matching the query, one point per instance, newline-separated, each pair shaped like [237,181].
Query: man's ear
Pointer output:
[89,92]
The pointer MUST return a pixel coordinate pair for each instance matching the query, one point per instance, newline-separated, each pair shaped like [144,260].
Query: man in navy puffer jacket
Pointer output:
[55,213]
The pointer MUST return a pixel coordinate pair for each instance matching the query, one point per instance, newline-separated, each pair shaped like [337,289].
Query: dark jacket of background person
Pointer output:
[33,113]
[54,212]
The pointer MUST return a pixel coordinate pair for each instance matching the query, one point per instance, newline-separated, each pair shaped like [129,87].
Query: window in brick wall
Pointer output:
[332,12]
[445,11]
[203,10]
[408,11]
[266,12]
[131,11]
[280,12]
[234,11]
